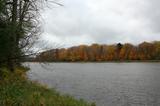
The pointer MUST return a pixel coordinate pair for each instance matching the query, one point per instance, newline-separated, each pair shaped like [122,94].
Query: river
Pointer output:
[106,84]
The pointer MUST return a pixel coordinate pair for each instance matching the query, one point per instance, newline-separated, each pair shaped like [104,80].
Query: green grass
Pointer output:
[16,90]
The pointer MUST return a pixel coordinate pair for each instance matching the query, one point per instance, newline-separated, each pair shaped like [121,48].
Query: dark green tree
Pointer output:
[19,27]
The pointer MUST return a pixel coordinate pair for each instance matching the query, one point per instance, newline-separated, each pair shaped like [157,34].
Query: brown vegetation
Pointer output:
[96,52]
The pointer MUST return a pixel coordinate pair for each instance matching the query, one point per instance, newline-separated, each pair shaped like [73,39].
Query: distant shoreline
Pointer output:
[118,61]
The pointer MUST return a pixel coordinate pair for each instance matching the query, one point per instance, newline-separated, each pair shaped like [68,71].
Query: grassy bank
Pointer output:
[17,90]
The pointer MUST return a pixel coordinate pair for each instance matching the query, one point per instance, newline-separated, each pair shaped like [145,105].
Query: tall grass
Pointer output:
[17,90]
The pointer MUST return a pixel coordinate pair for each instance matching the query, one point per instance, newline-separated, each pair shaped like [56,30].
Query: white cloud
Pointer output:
[104,21]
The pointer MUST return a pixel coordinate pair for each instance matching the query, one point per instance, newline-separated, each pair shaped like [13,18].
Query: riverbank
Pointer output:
[17,90]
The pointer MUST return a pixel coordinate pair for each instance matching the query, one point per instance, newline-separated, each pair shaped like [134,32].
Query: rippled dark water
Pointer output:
[107,84]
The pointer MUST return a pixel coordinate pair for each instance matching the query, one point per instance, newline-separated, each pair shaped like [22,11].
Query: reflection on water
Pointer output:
[107,84]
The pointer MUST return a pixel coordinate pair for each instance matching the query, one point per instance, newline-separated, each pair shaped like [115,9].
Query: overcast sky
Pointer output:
[101,21]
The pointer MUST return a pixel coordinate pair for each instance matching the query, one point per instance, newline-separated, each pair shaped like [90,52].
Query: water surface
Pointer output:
[107,84]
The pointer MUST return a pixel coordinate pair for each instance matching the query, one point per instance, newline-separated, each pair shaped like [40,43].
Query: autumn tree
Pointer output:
[146,51]
[133,54]
[110,52]
[125,51]
[96,52]
[118,49]
[157,50]
[62,54]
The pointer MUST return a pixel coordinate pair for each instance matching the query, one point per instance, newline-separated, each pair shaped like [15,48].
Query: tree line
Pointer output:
[96,52]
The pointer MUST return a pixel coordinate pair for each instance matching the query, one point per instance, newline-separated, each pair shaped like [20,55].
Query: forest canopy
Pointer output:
[96,52]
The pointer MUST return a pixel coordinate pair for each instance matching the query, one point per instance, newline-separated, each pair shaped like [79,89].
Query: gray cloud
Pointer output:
[105,21]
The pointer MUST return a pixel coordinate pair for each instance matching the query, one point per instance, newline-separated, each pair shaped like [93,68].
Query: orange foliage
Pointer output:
[96,52]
